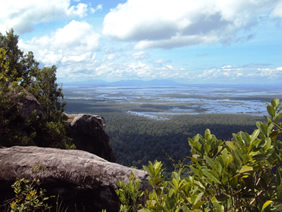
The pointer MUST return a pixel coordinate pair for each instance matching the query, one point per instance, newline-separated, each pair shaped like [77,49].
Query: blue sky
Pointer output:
[203,41]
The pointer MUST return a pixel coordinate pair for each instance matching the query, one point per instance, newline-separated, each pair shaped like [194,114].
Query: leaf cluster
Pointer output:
[28,196]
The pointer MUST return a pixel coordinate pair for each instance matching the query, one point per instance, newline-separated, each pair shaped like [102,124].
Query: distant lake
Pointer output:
[161,102]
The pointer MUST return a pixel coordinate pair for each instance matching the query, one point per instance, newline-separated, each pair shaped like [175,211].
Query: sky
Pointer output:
[188,41]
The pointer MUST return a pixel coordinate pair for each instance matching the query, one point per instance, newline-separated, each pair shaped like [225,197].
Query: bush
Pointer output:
[28,196]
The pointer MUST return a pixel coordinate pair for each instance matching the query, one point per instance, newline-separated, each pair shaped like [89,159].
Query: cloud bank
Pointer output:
[75,42]
[23,15]
[176,23]
[82,49]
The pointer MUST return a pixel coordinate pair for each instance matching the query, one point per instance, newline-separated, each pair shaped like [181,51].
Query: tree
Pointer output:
[23,72]
[9,42]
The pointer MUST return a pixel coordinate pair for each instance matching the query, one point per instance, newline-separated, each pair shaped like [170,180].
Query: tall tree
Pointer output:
[9,42]
[22,71]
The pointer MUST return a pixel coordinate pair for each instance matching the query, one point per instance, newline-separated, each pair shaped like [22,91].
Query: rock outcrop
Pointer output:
[28,104]
[83,180]
[88,133]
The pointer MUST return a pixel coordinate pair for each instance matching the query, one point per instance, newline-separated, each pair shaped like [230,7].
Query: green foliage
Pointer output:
[9,111]
[137,140]
[9,42]
[129,194]
[243,174]
[28,196]
[239,175]
[20,74]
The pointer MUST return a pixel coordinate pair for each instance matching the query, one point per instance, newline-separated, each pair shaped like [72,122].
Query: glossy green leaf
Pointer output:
[246,137]
[255,135]
[211,175]
[208,135]
[274,102]
[267,143]
[269,129]
[270,110]
[245,168]
[218,207]
[197,206]
[211,162]
[267,203]
[262,127]
[219,168]
[230,144]
[198,198]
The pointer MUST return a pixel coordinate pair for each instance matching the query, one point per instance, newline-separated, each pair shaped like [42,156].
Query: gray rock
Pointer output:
[83,180]
[88,133]
[28,104]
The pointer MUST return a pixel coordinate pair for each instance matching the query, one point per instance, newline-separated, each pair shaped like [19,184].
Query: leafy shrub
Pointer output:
[28,196]
[129,194]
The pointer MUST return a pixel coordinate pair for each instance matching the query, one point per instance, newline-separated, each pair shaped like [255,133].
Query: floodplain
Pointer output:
[162,102]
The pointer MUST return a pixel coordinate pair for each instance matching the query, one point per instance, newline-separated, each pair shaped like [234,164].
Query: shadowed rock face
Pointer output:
[83,180]
[28,105]
[88,133]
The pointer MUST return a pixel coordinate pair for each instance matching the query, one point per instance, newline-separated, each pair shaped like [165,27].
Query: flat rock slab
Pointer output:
[83,180]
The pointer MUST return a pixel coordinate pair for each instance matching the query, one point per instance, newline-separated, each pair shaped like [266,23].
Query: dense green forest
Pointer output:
[137,140]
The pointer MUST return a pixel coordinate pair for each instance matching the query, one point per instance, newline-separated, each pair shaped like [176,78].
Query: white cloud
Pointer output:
[23,15]
[277,12]
[176,23]
[239,75]
[98,7]
[268,73]
[73,43]
[170,67]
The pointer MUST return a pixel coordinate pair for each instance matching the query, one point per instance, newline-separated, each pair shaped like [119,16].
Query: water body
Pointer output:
[160,102]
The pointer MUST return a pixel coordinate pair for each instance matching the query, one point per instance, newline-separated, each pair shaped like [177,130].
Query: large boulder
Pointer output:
[28,104]
[88,133]
[84,181]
